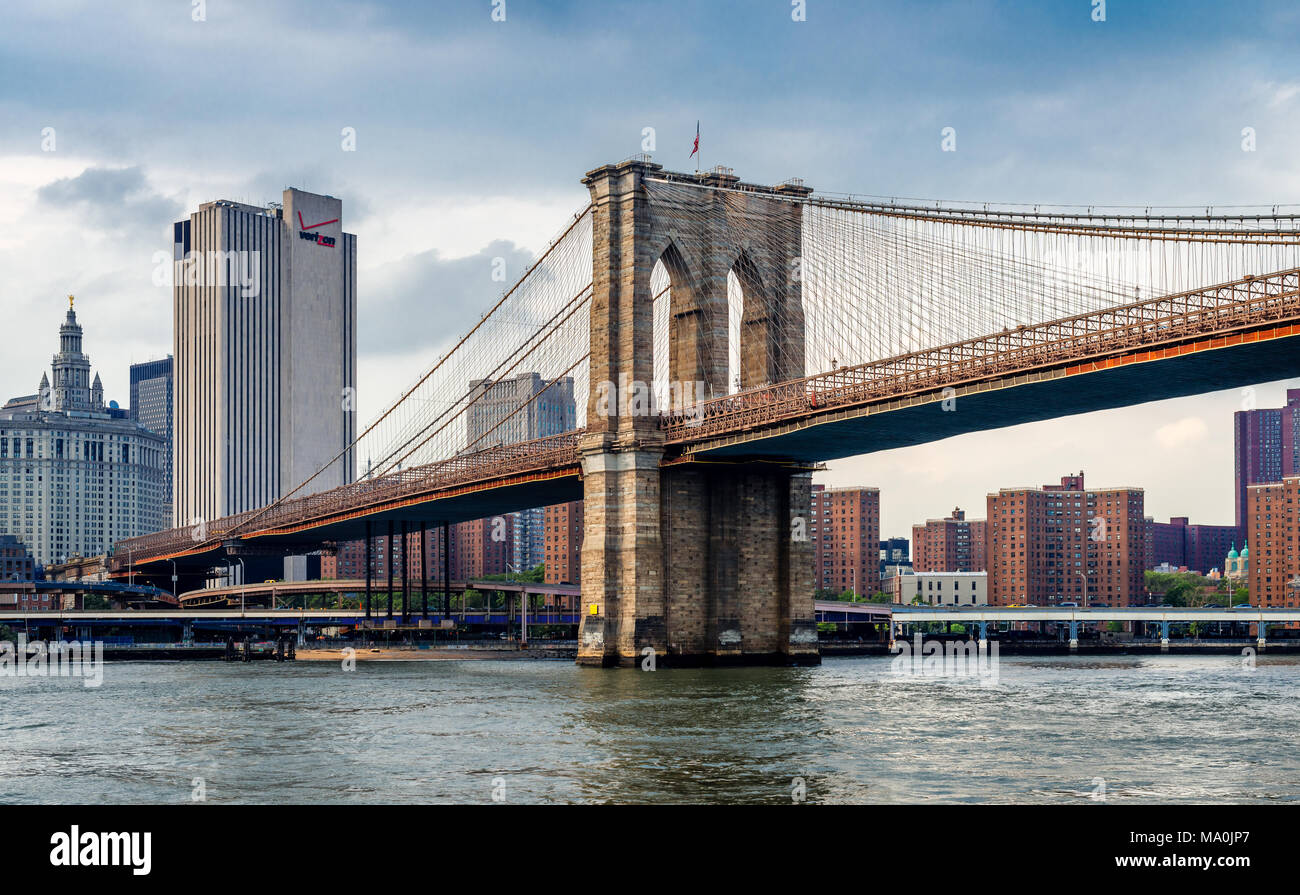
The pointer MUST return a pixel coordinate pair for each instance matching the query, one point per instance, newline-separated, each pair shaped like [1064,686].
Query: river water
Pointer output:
[1048,730]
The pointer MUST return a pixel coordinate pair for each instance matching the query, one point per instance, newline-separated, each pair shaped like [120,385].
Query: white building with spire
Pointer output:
[76,475]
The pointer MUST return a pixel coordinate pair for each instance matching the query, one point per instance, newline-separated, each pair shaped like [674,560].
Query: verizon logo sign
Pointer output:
[305,232]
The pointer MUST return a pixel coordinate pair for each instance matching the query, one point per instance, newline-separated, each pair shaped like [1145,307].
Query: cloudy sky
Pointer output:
[473,134]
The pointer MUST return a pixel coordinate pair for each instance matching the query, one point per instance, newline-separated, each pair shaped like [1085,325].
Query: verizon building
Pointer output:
[265,305]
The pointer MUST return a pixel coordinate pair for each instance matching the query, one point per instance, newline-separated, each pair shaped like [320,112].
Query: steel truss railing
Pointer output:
[1173,318]
[498,462]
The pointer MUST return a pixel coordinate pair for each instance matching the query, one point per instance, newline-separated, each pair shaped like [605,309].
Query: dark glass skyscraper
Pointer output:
[151,407]
[1267,445]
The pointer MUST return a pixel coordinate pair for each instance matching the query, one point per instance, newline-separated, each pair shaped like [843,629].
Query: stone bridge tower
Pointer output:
[702,563]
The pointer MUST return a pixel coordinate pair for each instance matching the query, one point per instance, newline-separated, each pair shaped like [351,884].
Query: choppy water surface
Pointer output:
[1161,729]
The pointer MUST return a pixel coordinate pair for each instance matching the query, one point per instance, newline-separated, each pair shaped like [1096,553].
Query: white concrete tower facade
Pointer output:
[265,312]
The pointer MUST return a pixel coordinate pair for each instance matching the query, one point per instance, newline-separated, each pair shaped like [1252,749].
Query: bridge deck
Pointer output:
[1221,337]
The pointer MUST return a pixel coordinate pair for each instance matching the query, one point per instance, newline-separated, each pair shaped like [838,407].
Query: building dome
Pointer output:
[1232,554]
[1245,550]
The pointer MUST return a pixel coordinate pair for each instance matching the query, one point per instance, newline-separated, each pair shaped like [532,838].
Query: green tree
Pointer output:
[1178,588]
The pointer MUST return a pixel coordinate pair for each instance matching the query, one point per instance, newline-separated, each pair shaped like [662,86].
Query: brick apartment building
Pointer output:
[1271,525]
[350,559]
[563,543]
[1042,542]
[954,544]
[1199,548]
[478,548]
[845,530]
[1266,444]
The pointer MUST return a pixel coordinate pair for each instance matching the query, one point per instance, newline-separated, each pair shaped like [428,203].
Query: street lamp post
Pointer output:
[1084,576]
[243,573]
[523,603]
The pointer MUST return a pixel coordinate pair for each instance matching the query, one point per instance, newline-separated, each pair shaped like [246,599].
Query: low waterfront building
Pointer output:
[939,588]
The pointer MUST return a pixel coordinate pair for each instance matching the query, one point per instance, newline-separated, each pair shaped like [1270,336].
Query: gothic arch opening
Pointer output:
[661,296]
[684,350]
[754,336]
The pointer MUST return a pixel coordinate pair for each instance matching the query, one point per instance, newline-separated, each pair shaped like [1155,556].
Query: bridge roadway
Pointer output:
[827,610]
[983,616]
[11,590]
[1217,338]
[1175,615]
[270,617]
[1226,336]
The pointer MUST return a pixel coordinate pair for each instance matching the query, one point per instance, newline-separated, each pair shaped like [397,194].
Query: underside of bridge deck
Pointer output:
[1012,402]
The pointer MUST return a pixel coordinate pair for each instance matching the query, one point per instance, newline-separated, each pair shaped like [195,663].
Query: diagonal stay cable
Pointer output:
[533,267]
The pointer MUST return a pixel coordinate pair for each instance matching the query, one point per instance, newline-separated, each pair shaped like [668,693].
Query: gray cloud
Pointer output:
[114,198]
[424,300]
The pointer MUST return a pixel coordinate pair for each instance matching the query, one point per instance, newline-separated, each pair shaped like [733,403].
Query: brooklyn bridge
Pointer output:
[724,338]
